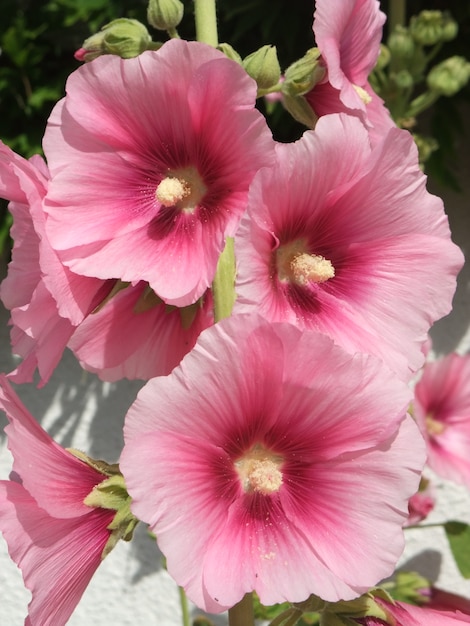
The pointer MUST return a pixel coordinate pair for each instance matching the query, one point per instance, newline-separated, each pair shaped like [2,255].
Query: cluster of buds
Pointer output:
[403,66]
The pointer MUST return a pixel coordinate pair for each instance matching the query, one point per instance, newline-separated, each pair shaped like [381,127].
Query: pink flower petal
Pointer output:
[57,557]
[59,481]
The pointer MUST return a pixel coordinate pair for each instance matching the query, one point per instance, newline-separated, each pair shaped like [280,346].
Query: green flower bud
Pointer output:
[449,76]
[230,52]
[263,66]
[450,29]
[401,45]
[123,37]
[384,58]
[402,79]
[432,27]
[165,14]
[302,76]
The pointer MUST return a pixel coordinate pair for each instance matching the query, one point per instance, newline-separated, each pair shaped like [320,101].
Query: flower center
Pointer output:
[296,266]
[183,189]
[259,470]
[434,427]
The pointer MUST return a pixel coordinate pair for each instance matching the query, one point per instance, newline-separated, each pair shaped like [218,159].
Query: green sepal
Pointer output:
[118,286]
[365,606]
[300,110]
[107,469]
[230,52]
[302,76]
[110,494]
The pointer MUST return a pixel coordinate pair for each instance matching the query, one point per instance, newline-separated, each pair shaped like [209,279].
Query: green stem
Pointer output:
[435,525]
[173,33]
[242,614]
[206,22]
[396,14]
[223,287]
[184,607]
[421,103]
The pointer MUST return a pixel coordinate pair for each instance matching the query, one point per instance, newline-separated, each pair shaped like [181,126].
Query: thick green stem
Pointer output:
[184,607]
[206,22]
[242,614]
[396,14]
[223,287]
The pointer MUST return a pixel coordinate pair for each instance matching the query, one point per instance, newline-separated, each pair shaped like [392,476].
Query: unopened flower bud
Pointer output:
[449,76]
[384,58]
[165,14]
[123,37]
[230,52]
[302,76]
[263,66]
[402,79]
[401,45]
[432,27]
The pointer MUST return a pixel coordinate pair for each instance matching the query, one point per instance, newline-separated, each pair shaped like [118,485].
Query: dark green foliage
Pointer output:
[37,41]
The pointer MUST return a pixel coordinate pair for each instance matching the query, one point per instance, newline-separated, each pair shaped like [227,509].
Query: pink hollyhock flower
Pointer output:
[348,35]
[442,410]
[402,614]
[53,536]
[51,307]
[157,336]
[151,159]
[345,239]
[38,334]
[259,476]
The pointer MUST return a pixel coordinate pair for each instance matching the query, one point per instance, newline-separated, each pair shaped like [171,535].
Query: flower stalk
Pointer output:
[242,613]
[206,22]
[184,607]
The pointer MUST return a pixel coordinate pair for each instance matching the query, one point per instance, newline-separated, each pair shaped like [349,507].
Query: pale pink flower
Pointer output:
[151,159]
[348,35]
[51,307]
[136,336]
[442,410]
[38,334]
[55,539]
[256,474]
[346,240]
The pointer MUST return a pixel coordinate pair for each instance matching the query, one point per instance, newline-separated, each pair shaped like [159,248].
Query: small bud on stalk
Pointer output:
[263,66]
[123,37]
[165,14]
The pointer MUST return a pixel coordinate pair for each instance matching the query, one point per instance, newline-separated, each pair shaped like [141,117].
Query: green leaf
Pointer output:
[458,535]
